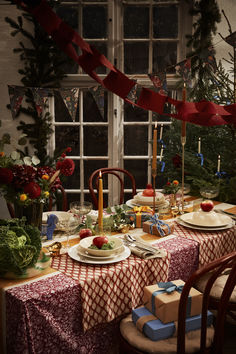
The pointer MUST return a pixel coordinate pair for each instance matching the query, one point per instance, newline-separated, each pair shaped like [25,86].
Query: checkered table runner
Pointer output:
[212,244]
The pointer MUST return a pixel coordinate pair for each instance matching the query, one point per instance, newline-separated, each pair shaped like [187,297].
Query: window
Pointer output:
[138,37]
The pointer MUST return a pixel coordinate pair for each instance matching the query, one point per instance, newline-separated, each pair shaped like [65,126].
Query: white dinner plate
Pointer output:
[73,253]
[181,222]
[204,219]
[83,253]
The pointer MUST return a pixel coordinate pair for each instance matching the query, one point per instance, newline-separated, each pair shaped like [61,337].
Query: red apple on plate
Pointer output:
[148,192]
[99,241]
[85,233]
[207,205]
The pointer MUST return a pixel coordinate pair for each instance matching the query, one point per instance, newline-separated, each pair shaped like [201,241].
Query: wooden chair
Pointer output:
[209,340]
[10,207]
[115,171]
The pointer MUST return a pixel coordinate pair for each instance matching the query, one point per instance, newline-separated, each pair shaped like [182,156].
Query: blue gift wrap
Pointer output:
[156,330]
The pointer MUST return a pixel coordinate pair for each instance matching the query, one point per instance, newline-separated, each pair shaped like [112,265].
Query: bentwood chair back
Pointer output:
[118,173]
[205,340]
[64,207]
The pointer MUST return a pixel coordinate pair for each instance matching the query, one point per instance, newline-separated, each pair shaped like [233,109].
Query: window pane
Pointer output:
[134,114]
[61,112]
[95,141]
[163,28]
[68,14]
[136,58]
[102,48]
[91,166]
[164,56]
[139,169]
[95,22]
[136,140]
[95,105]
[136,22]
[68,137]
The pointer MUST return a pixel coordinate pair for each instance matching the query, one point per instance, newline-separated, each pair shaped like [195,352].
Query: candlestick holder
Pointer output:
[183,142]
[154,174]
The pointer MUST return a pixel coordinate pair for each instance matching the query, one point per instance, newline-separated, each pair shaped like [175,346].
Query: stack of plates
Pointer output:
[140,200]
[209,221]
[83,253]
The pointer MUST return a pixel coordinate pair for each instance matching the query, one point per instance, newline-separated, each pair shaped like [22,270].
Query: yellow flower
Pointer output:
[175,182]
[23,197]
[46,177]
[46,193]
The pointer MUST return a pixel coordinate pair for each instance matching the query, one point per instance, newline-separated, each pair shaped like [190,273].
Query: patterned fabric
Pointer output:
[212,244]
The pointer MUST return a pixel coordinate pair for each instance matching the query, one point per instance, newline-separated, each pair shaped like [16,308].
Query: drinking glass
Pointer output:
[209,192]
[80,209]
[68,225]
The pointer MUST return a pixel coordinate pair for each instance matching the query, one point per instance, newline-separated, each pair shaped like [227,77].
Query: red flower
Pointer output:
[66,167]
[33,190]
[68,149]
[168,183]
[23,174]
[6,175]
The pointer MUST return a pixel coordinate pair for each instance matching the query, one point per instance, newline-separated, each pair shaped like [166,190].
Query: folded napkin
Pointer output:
[147,254]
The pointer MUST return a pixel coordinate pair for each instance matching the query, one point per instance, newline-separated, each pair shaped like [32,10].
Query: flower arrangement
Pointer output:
[171,187]
[23,182]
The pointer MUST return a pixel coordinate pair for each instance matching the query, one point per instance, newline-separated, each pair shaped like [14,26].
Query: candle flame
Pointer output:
[155,124]
[100,174]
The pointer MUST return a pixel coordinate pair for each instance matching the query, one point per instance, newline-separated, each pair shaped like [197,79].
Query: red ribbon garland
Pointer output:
[202,113]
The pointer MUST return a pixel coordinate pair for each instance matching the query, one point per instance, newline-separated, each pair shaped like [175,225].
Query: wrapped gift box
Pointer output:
[165,304]
[138,215]
[158,227]
[156,330]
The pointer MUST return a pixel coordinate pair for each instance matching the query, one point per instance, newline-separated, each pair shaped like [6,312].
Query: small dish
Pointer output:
[85,243]
[83,253]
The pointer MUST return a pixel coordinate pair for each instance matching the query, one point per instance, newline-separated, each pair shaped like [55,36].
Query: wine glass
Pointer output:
[209,192]
[80,208]
[68,225]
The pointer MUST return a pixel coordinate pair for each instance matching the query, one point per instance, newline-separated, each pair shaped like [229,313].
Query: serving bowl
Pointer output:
[88,241]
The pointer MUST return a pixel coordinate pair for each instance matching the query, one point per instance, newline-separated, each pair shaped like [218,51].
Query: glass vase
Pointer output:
[32,212]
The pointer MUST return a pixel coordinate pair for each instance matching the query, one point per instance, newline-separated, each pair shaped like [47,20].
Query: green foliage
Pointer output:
[20,246]
[42,67]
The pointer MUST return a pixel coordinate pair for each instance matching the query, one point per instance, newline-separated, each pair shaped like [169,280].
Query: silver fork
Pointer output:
[131,240]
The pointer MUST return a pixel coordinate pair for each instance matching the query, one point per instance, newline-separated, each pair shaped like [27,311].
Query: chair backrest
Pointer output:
[115,171]
[214,269]
[11,210]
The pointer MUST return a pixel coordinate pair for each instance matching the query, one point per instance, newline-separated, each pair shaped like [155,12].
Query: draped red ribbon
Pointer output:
[202,113]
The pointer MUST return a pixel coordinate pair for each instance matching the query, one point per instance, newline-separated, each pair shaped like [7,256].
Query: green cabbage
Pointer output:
[20,246]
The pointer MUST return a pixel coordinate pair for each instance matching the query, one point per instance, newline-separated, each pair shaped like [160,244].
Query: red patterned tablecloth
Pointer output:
[212,244]
[109,291]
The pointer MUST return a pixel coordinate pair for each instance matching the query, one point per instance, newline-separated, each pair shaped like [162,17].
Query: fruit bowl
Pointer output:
[85,243]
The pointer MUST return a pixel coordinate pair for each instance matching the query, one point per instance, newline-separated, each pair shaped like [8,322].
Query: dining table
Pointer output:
[75,306]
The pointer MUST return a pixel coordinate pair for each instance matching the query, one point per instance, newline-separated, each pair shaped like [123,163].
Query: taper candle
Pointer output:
[100,202]
[183,125]
[161,154]
[199,146]
[154,150]
[161,131]
[218,164]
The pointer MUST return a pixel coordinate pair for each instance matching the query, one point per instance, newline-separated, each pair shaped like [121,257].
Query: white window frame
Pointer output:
[115,121]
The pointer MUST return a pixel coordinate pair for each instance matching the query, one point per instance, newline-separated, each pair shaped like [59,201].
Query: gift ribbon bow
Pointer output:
[159,224]
[141,209]
[162,165]
[202,159]
[221,174]
[168,288]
